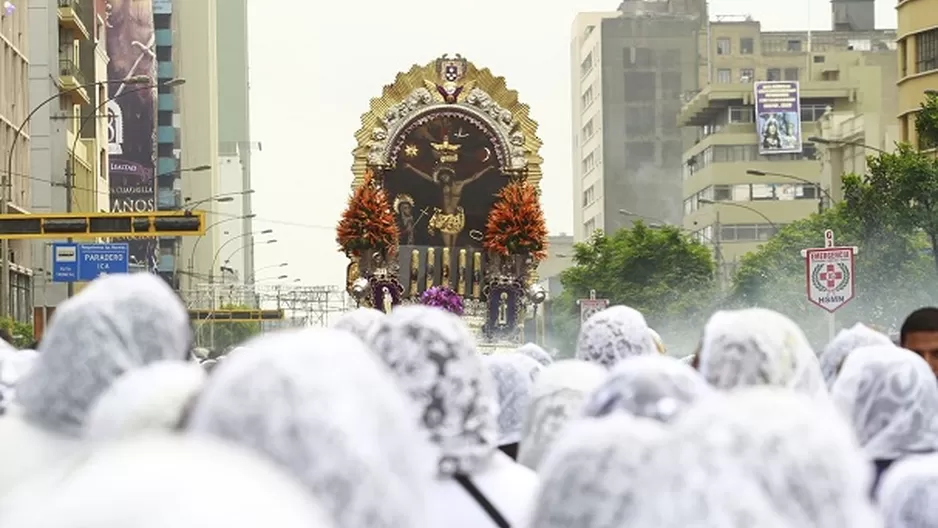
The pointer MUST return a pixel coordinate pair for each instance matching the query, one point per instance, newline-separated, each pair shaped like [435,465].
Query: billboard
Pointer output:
[778,117]
[131,113]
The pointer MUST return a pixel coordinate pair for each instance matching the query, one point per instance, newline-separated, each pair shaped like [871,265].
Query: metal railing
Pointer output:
[75,5]
[68,67]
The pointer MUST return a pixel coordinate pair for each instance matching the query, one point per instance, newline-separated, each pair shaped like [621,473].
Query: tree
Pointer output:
[367,222]
[891,269]
[22,333]
[660,272]
[228,335]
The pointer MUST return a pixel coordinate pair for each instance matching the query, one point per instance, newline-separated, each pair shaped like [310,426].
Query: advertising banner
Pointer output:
[132,116]
[778,117]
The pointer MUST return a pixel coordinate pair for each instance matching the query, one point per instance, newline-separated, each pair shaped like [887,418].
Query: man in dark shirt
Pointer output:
[920,335]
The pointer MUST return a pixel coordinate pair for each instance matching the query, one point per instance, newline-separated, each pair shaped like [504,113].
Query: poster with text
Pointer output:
[131,111]
[778,117]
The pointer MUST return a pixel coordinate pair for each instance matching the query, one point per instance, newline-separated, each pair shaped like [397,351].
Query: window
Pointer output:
[587,98]
[587,65]
[740,193]
[741,114]
[589,227]
[830,76]
[589,163]
[773,74]
[724,76]
[903,59]
[722,193]
[588,130]
[589,195]
[812,112]
[926,51]
[790,74]
[794,45]
[723,46]
[746,46]
[746,75]
[762,191]
[818,59]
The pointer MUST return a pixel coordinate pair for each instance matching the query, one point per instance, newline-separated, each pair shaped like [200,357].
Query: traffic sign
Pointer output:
[830,277]
[590,306]
[86,262]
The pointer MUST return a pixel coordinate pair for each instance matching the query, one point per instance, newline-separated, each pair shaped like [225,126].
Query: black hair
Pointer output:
[921,320]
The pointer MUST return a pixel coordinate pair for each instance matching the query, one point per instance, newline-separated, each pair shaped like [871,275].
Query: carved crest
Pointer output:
[451,70]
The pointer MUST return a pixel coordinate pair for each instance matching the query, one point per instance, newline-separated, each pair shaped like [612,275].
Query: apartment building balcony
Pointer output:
[71,80]
[701,108]
[70,18]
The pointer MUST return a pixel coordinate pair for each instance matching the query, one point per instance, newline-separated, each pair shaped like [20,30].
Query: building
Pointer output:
[628,70]
[918,60]
[234,129]
[194,55]
[167,176]
[849,137]
[736,197]
[14,107]
[69,147]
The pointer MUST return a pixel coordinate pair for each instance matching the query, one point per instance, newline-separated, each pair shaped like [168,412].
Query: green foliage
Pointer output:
[22,332]
[926,122]
[660,272]
[228,335]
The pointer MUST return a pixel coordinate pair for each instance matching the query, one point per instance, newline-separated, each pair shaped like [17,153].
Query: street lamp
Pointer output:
[281,265]
[218,198]
[199,239]
[242,248]
[626,212]
[741,206]
[7,179]
[820,200]
[211,273]
[841,142]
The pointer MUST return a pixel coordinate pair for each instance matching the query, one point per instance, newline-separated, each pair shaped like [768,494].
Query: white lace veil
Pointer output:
[154,397]
[324,409]
[590,478]
[890,396]
[433,355]
[116,324]
[514,376]
[614,334]
[163,481]
[754,347]
[656,387]
[559,394]
[360,322]
[846,341]
[536,353]
[909,492]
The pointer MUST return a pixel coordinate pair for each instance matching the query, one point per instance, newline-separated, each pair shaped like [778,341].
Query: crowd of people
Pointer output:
[397,421]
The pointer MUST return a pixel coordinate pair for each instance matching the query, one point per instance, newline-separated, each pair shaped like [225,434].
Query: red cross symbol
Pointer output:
[831,276]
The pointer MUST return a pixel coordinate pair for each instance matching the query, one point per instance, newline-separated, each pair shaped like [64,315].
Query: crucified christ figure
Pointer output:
[450,219]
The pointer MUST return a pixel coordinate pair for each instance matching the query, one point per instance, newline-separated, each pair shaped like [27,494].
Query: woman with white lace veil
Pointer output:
[909,493]
[359,322]
[433,356]
[558,396]
[655,387]
[614,334]
[152,398]
[890,397]
[514,376]
[759,456]
[116,324]
[846,341]
[536,353]
[754,347]
[162,482]
[591,476]
[318,404]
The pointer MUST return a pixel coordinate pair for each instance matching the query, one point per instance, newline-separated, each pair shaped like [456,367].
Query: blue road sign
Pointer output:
[86,262]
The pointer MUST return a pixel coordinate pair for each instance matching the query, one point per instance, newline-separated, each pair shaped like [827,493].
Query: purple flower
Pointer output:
[443,297]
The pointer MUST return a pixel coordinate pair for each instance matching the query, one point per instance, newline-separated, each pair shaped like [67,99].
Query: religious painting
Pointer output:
[445,175]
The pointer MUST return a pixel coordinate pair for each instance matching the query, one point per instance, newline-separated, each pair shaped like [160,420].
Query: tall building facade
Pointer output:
[69,148]
[14,107]
[234,130]
[195,58]
[918,60]
[629,69]
[741,183]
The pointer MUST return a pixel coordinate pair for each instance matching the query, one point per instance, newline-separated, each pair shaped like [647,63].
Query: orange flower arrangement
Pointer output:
[368,222]
[515,225]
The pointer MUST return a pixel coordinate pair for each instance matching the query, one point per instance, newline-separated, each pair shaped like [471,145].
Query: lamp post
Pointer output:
[195,246]
[211,274]
[626,212]
[224,197]
[741,206]
[7,180]
[841,142]
[820,200]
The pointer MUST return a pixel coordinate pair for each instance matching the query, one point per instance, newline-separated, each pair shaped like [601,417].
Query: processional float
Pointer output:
[445,204]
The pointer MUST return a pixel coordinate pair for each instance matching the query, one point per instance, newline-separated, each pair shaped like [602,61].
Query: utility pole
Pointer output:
[69,196]
[718,251]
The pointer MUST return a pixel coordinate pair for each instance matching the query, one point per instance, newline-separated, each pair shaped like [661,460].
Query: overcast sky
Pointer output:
[315,66]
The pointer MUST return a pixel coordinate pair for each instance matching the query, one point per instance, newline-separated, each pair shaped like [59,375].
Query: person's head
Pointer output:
[445,175]
[919,334]
[406,209]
